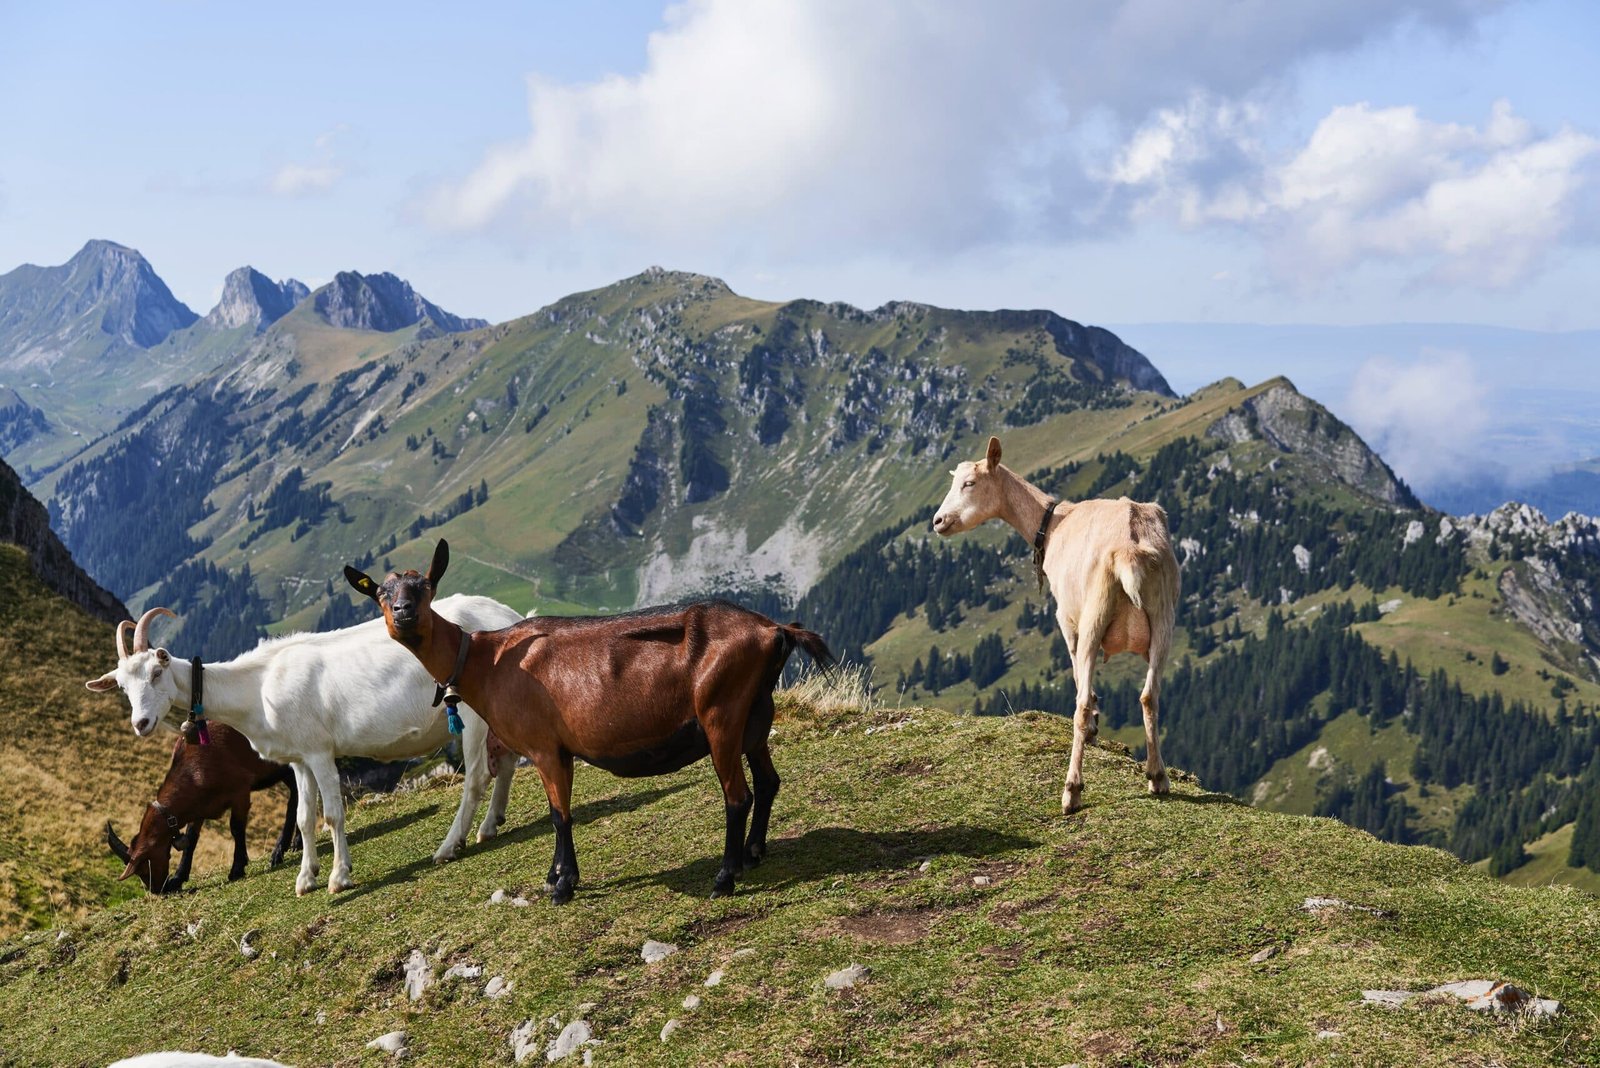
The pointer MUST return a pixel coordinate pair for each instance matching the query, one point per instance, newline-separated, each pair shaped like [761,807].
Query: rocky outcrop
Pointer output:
[383,302]
[250,298]
[1291,422]
[24,522]
[105,295]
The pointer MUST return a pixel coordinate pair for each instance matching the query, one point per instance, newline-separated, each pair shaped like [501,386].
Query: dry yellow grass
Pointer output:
[69,761]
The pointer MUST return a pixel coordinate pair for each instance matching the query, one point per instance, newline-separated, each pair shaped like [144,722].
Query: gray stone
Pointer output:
[672,1025]
[571,1039]
[524,1040]
[463,971]
[246,949]
[1339,904]
[715,978]
[498,987]
[1489,995]
[587,1007]
[1263,955]
[692,1002]
[846,977]
[747,951]
[498,897]
[419,975]
[653,951]
[393,1043]
[1388,999]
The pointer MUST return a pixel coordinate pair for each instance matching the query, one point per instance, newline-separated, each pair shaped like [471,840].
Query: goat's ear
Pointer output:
[104,684]
[441,560]
[994,453]
[163,656]
[361,582]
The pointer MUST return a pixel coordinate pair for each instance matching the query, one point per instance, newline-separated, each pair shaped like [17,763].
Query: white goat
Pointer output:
[1114,576]
[305,699]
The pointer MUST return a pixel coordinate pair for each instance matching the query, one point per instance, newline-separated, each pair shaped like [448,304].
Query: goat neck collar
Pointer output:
[1038,542]
[166,813]
[446,691]
[195,729]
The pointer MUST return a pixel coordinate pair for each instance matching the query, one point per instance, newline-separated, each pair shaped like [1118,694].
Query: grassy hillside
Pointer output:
[69,761]
[926,847]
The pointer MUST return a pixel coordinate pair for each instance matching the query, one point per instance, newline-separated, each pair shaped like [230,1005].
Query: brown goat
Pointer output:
[202,783]
[639,693]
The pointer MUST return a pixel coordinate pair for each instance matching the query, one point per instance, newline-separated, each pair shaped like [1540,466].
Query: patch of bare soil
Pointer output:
[891,928]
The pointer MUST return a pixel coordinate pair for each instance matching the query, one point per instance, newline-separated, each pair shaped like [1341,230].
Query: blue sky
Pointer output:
[1138,161]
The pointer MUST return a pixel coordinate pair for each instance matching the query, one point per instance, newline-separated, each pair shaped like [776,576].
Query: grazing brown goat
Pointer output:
[202,783]
[639,693]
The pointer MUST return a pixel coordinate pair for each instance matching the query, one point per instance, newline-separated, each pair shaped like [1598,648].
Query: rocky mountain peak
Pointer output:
[250,298]
[1289,421]
[383,302]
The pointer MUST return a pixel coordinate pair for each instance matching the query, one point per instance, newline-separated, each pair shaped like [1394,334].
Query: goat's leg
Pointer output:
[475,775]
[306,815]
[290,834]
[1086,719]
[1154,769]
[327,776]
[556,771]
[238,820]
[725,746]
[766,789]
[498,798]
[175,881]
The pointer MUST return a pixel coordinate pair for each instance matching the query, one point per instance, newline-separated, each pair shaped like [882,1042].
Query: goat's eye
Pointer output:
[155,676]
[968,484]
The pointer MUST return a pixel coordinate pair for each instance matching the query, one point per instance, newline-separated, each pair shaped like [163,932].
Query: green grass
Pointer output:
[1548,866]
[1121,935]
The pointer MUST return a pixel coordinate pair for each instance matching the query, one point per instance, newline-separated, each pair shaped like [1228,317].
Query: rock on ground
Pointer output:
[393,1043]
[572,1038]
[419,975]
[653,951]
[176,1059]
[498,987]
[672,1025]
[845,978]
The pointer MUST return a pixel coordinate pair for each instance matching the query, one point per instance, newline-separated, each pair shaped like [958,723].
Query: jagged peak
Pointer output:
[250,298]
[382,302]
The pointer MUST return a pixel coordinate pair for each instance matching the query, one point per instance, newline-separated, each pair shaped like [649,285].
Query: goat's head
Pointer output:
[143,673]
[406,597]
[975,496]
[150,854]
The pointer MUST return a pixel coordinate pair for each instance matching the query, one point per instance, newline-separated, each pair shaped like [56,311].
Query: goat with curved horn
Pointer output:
[122,638]
[307,699]
[141,632]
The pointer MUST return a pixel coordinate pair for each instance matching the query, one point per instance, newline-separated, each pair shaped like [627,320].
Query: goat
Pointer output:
[639,693]
[202,783]
[1111,568]
[305,699]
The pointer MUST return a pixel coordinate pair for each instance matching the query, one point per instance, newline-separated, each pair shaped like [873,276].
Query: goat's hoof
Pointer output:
[341,882]
[723,887]
[753,853]
[173,885]
[1160,784]
[236,875]
[561,893]
[1071,800]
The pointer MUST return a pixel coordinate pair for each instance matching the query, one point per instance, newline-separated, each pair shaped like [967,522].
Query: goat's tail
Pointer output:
[1128,565]
[817,649]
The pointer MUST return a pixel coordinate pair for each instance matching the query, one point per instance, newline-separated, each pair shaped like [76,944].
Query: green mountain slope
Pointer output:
[930,851]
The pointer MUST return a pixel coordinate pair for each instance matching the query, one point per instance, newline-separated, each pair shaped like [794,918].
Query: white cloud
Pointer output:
[1427,418]
[1480,206]
[299,179]
[318,175]
[893,129]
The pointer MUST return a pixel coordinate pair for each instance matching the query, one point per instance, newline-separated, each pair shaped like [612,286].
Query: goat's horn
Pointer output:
[141,633]
[116,845]
[122,638]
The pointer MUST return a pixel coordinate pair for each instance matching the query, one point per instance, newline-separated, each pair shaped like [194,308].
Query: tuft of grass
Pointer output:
[925,846]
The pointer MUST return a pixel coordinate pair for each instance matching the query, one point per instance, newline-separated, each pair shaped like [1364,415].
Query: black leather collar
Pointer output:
[1038,543]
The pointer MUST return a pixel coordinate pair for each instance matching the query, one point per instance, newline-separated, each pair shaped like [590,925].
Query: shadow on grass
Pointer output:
[539,828]
[393,823]
[829,852]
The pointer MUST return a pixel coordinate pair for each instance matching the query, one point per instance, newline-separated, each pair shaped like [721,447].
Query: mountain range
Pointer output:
[665,437]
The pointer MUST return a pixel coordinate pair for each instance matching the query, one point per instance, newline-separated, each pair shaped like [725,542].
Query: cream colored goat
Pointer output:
[1115,579]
